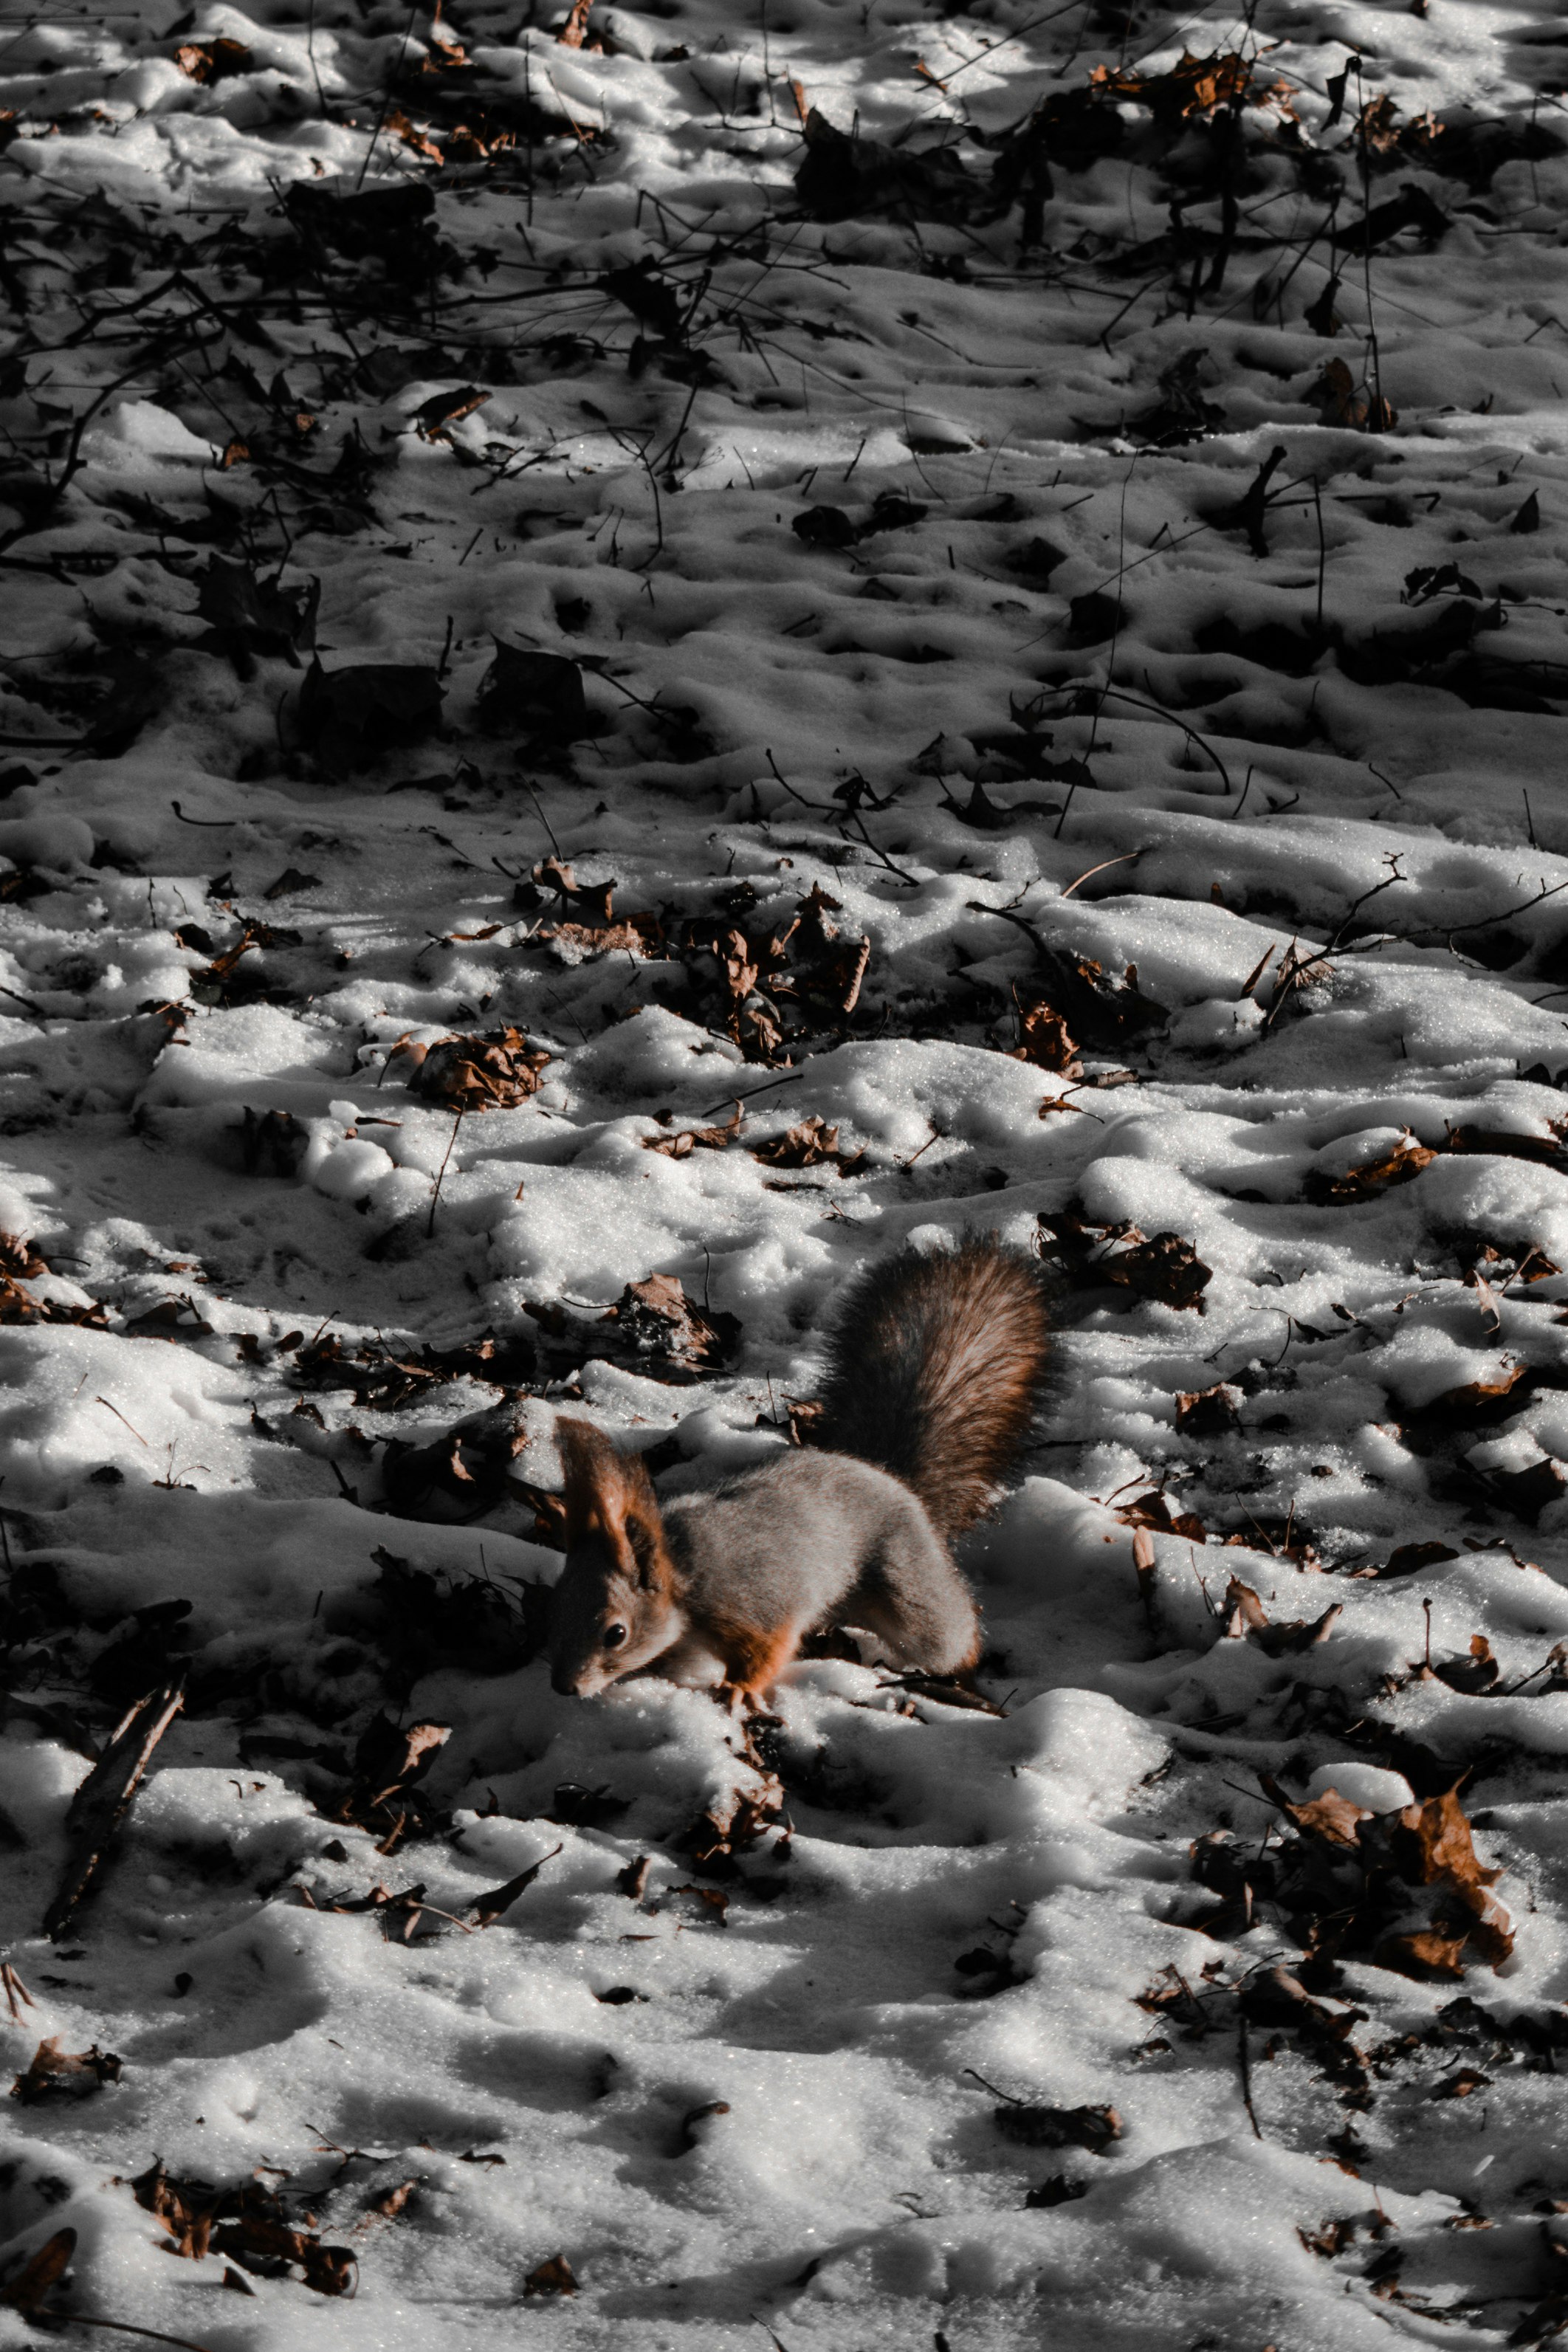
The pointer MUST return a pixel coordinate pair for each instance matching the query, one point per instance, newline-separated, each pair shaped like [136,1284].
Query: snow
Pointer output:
[1300,1541]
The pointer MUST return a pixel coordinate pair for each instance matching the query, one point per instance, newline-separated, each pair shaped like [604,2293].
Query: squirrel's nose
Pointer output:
[563,1681]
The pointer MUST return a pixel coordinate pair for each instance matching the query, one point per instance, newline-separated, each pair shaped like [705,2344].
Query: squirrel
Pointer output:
[934,1369]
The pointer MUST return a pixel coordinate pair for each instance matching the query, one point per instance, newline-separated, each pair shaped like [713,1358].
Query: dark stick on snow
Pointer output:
[103,1800]
[1245,2058]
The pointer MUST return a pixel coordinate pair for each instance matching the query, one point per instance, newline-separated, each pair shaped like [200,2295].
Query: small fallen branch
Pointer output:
[100,1804]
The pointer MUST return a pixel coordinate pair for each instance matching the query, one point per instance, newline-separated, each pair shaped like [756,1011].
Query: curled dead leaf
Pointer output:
[811,1143]
[1208,1413]
[496,1070]
[1045,1041]
[1403,1160]
[54,2072]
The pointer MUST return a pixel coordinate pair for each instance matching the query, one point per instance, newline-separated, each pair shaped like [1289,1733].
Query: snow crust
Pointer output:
[802,2137]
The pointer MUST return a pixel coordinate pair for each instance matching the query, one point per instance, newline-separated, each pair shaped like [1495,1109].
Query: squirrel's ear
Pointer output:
[609,1493]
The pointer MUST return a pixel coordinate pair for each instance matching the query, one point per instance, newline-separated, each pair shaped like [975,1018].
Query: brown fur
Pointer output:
[611,1504]
[934,1370]
[754,1656]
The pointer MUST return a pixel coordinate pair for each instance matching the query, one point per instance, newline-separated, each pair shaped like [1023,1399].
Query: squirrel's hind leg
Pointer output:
[915,1601]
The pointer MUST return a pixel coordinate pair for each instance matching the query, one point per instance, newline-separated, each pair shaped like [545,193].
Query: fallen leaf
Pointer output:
[1461,2085]
[391,2202]
[55,2073]
[1477,1672]
[811,1143]
[444,408]
[556,2276]
[1409,1560]
[1527,1491]
[524,692]
[687,1139]
[1165,1268]
[213,61]
[246,2223]
[494,1070]
[1425,1952]
[1330,1816]
[1245,1612]
[1058,2190]
[1091,2127]
[1044,1040]
[39,2274]
[1208,1413]
[486,1909]
[1397,1165]
[351,716]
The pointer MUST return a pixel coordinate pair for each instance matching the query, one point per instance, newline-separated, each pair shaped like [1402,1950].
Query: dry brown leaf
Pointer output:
[658,1319]
[55,2072]
[19,1261]
[811,1143]
[1529,1491]
[1208,1413]
[687,1139]
[387,1760]
[1437,1844]
[493,1071]
[1145,1567]
[1151,1510]
[486,1909]
[1045,1041]
[1507,1391]
[1245,1612]
[1461,2083]
[1403,1160]
[1330,1816]
[1426,1952]
[591,901]
[39,2274]
[556,2276]
[430,418]
[1477,1672]
[210,61]
[246,2223]
[1374,126]
[1409,1560]
[397,123]
[1165,1267]
[390,2203]
[1341,403]
[594,938]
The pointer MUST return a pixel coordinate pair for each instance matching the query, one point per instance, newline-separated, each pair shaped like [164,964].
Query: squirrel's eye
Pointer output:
[614,1636]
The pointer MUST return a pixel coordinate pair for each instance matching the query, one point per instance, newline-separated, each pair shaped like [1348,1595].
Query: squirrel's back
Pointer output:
[934,1370]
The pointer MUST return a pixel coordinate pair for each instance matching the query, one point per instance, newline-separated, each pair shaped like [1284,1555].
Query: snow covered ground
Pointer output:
[998,672]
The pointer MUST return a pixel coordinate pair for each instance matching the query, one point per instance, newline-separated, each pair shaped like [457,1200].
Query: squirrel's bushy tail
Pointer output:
[934,1368]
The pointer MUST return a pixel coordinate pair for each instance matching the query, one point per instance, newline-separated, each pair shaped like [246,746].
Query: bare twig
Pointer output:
[100,1804]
